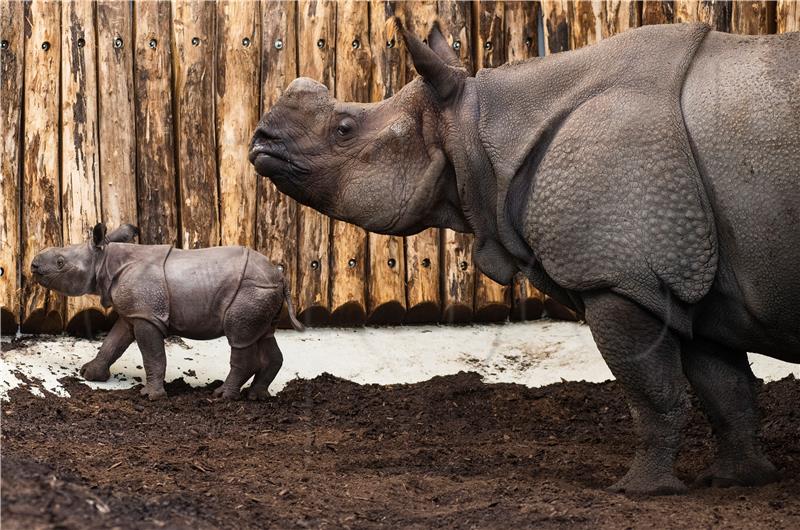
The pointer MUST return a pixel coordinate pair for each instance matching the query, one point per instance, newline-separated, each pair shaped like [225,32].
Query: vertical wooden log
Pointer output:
[116,112]
[386,291]
[41,197]
[492,300]
[586,23]
[458,272]
[555,15]
[276,226]
[238,49]
[316,41]
[715,13]
[657,12]
[193,58]
[423,261]
[621,15]
[349,243]
[522,43]
[80,171]
[788,16]
[12,55]
[753,18]
[155,163]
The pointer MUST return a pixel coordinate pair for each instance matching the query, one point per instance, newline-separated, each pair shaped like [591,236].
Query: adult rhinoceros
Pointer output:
[651,182]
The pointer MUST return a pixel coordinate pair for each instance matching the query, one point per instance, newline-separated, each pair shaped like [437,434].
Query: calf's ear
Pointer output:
[123,234]
[98,234]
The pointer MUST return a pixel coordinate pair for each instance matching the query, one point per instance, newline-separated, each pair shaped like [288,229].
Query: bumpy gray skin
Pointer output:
[651,182]
[158,291]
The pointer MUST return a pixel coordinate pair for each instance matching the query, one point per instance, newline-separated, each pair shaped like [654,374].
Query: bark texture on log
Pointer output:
[556,21]
[193,58]
[349,243]
[316,41]
[787,16]
[276,223]
[42,310]
[386,282]
[116,113]
[12,60]
[238,51]
[715,13]
[155,162]
[657,12]
[753,18]
[80,163]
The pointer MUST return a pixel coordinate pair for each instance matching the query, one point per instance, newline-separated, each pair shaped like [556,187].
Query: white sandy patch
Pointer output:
[533,354]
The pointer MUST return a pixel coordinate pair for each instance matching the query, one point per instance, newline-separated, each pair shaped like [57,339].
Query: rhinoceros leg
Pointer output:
[154,359]
[644,356]
[724,383]
[114,345]
[244,363]
[271,360]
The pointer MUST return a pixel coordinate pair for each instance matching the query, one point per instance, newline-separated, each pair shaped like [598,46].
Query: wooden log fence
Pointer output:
[142,112]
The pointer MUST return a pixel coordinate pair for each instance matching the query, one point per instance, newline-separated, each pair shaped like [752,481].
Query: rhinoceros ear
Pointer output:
[98,235]
[445,79]
[123,234]
[438,44]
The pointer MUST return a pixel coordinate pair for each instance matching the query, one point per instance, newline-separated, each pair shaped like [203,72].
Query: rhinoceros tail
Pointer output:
[287,295]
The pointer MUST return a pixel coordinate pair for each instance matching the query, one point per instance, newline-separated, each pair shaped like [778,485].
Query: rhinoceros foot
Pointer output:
[227,393]
[754,470]
[642,479]
[257,394]
[95,370]
[153,393]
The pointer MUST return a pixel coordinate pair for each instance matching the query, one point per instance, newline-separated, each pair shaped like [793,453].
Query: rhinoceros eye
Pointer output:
[60,263]
[345,127]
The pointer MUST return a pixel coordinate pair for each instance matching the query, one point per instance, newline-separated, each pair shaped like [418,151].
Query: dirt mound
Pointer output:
[449,452]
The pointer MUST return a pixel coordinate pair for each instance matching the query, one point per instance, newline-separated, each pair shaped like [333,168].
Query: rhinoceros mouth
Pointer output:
[269,160]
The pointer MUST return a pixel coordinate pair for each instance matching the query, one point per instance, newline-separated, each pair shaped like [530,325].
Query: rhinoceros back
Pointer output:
[595,171]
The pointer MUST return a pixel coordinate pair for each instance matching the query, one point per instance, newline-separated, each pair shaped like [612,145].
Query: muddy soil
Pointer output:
[451,452]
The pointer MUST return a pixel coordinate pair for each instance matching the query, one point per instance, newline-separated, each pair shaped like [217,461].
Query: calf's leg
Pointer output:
[725,385]
[244,363]
[645,357]
[271,360]
[114,345]
[154,359]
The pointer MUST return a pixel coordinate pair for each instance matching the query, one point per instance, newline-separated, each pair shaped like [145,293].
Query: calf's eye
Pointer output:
[60,263]
[345,127]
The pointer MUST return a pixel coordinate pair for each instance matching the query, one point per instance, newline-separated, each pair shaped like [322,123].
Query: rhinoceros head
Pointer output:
[382,166]
[71,270]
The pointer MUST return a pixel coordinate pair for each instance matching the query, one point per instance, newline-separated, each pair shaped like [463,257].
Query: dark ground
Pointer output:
[449,452]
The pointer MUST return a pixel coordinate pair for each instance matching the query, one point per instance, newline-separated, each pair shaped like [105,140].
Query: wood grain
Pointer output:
[787,16]
[238,50]
[193,66]
[458,274]
[556,21]
[12,59]
[715,13]
[155,163]
[620,15]
[753,18]
[657,12]
[349,243]
[316,41]
[80,162]
[492,300]
[116,112]
[423,262]
[276,223]
[42,310]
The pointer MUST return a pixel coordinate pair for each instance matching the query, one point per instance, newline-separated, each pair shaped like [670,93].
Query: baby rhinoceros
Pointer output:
[158,291]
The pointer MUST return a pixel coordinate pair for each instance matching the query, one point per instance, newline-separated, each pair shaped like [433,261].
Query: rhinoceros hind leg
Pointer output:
[244,363]
[644,356]
[271,360]
[725,385]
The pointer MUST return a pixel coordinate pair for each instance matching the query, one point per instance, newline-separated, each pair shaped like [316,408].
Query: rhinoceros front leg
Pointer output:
[644,356]
[154,358]
[114,345]
[725,385]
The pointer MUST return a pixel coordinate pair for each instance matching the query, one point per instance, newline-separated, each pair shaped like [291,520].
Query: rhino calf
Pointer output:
[158,290]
